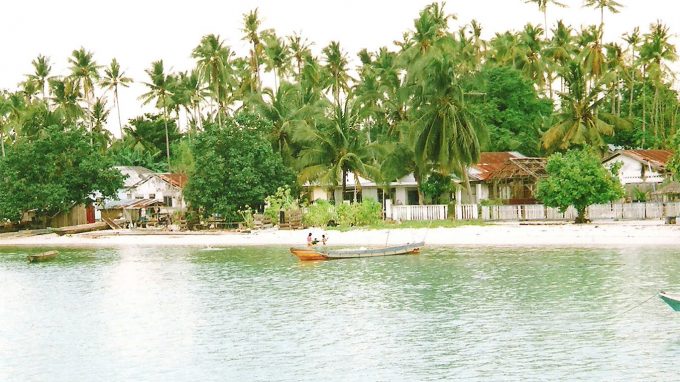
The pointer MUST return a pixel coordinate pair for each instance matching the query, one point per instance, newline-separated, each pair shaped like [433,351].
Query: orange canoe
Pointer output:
[319,253]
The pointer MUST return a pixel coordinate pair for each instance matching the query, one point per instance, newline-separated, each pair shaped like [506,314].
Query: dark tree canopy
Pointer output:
[52,173]
[512,110]
[235,166]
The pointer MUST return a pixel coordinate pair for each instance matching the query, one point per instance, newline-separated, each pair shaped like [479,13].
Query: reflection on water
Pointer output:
[259,314]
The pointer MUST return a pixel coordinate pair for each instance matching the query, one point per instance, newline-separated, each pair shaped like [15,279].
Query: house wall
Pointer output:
[157,188]
[631,171]
[77,215]
[318,193]
[369,193]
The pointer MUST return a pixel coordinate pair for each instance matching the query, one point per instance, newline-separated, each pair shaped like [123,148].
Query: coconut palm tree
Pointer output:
[334,148]
[277,57]
[655,52]
[580,122]
[299,48]
[611,5]
[633,39]
[530,61]
[213,65]
[159,91]
[99,115]
[336,67]
[113,78]
[543,7]
[41,73]
[446,133]
[251,30]
[84,72]
[65,96]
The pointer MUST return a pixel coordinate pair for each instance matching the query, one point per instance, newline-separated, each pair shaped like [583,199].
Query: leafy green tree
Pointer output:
[234,167]
[577,178]
[68,172]
[511,110]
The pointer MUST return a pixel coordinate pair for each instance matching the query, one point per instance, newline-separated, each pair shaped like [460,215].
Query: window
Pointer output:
[390,195]
[412,197]
[167,200]
[349,196]
[152,196]
[139,197]
[129,196]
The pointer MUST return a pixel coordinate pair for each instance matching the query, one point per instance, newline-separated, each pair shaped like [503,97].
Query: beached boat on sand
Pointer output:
[45,256]
[673,300]
[319,253]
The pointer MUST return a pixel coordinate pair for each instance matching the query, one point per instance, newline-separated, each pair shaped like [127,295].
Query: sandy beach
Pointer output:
[598,234]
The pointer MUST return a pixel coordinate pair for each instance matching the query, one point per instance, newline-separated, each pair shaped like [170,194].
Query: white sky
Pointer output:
[139,32]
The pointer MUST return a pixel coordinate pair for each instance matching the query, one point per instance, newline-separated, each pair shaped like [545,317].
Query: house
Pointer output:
[481,179]
[643,170]
[509,176]
[144,189]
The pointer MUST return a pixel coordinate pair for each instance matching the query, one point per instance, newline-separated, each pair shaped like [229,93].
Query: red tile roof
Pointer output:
[492,161]
[177,180]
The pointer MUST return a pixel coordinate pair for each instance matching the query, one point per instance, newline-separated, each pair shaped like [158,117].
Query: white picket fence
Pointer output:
[627,211]
[429,212]
[535,212]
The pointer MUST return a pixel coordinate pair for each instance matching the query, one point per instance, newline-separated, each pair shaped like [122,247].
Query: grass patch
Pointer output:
[413,224]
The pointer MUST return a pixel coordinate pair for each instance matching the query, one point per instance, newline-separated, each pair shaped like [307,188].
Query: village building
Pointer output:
[642,170]
[145,193]
[507,177]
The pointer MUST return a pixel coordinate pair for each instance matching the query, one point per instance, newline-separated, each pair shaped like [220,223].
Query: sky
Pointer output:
[142,31]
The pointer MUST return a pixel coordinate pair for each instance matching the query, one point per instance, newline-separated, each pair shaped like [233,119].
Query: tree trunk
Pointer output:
[167,136]
[344,185]
[581,218]
[2,142]
[120,123]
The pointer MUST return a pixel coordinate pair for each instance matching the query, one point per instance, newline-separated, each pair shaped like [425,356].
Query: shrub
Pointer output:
[368,212]
[346,214]
[281,200]
[320,214]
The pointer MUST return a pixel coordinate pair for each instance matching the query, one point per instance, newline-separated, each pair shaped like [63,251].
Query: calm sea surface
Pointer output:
[257,314]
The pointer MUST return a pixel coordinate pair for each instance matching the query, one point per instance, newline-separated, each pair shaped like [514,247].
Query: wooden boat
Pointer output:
[320,253]
[45,256]
[673,300]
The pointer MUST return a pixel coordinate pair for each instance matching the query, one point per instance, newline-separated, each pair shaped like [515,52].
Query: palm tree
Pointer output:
[543,7]
[611,5]
[160,93]
[65,96]
[336,147]
[633,39]
[213,65]
[579,122]
[655,51]
[4,116]
[84,73]
[251,26]
[99,115]
[530,62]
[446,133]
[277,56]
[113,78]
[299,48]
[336,67]
[560,49]
[41,72]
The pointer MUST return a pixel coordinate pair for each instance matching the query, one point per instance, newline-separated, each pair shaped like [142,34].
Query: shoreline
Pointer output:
[613,234]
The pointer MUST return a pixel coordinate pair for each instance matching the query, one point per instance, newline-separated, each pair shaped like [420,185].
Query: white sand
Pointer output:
[599,234]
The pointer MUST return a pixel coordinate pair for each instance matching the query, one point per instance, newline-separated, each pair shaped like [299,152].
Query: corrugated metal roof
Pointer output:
[489,162]
[177,180]
[657,158]
[132,204]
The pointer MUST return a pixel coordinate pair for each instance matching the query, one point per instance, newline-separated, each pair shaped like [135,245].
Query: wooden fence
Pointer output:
[536,212]
[430,212]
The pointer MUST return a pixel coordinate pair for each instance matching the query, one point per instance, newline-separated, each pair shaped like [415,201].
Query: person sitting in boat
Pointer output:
[324,239]
[310,240]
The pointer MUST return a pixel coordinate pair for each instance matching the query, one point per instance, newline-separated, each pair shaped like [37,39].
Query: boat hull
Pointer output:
[316,253]
[40,257]
[672,300]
